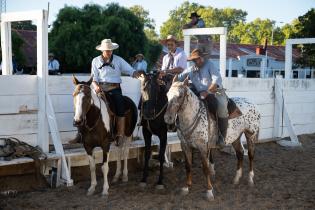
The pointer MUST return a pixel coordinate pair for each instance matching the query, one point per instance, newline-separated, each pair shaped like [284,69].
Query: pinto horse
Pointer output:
[198,129]
[92,117]
[153,106]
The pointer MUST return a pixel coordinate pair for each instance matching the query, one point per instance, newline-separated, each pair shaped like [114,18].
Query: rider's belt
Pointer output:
[106,86]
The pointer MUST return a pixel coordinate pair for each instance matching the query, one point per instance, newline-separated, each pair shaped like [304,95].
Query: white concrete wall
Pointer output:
[19,103]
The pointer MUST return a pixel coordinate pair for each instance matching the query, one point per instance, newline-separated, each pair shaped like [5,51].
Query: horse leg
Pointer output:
[147,154]
[105,170]
[206,171]
[188,163]
[211,160]
[251,152]
[93,175]
[118,165]
[163,142]
[126,155]
[239,154]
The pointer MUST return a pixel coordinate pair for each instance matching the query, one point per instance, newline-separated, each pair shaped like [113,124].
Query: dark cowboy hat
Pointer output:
[194,14]
[196,53]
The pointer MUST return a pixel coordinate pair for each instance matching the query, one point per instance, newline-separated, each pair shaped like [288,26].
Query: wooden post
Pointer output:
[6,47]
[223,54]
[42,74]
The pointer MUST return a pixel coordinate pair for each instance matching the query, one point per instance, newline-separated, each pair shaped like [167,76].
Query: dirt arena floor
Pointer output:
[284,179]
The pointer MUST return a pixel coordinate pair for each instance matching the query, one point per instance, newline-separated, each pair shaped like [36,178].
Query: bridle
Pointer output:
[100,112]
[187,132]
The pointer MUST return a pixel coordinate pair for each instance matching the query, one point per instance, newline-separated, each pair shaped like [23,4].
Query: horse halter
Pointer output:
[100,112]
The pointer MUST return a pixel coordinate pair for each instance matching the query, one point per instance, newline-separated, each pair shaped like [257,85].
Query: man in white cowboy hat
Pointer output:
[140,64]
[207,81]
[175,61]
[106,70]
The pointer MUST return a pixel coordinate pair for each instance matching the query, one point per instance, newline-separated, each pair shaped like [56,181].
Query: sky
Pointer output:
[282,11]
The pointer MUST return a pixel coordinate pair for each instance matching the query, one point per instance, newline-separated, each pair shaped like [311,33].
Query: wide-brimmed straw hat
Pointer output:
[170,38]
[196,53]
[107,44]
[140,55]
[194,14]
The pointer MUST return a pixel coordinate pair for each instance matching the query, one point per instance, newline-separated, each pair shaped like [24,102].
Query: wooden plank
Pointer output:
[62,103]
[300,108]
[292,97]
[18,124]
[18,85]
[266,122]
[256,97]
[62,85]
[266,109]
[246,84]
[299,85]
[18,103]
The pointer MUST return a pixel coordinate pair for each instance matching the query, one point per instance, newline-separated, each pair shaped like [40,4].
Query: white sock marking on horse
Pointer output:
[93,175]
[104,111]
[210,195]
[125,154]
[251,178]
[78,106]
[105,174]
[212,169]
[238,176]
[118,165]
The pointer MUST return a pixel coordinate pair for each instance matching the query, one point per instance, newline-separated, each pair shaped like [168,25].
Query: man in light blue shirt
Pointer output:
[53,64]
[140,64]
[106,70]
[207,80]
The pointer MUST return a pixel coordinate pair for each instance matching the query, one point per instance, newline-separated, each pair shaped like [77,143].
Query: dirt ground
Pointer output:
[284,179]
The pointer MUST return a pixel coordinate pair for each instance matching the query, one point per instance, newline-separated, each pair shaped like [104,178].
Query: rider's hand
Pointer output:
[213,88]
[97,89]
[162,73]
[203,94]
[137,74]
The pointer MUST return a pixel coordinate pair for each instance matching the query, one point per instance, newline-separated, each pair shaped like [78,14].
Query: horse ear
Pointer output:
[186,81]
[175,79]
[75,80]
[90,80]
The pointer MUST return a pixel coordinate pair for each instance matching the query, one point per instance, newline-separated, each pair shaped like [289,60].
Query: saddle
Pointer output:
[212,104]
[130,108]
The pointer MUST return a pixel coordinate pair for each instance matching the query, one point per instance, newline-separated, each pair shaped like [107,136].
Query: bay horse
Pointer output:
[92,117]
[198,129]
[153,106]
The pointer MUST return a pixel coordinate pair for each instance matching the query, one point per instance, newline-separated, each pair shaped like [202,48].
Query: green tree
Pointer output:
[143,15]
[305,29]
[77,31]
[254,32]
[213,17]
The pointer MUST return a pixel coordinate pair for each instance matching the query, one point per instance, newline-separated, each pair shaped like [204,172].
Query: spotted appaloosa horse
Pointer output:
[93,122]
[197,129]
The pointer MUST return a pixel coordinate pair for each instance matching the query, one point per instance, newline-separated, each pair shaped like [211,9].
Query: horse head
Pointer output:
[82,100]
[176,97]
[153,93]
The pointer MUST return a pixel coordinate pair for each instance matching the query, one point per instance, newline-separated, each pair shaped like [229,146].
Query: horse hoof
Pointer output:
[251,183]
[159,187]
[184,191]
[236,181]
[125,178]
[143,184]
[90,192]
[209,195]
[105,193]
[115,179]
